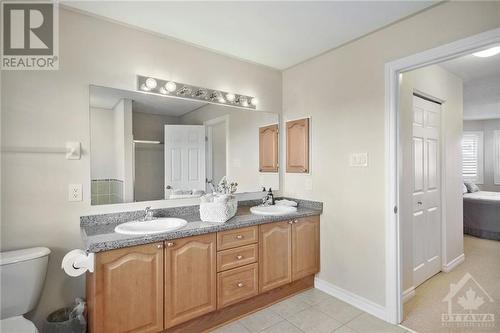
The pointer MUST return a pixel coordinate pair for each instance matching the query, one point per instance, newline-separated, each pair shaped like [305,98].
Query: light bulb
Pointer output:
[221,99]
[163,91]
[170,86]
[143,87]
[230,97]
[243,101]
[487,53]
[151,83]
[254,101]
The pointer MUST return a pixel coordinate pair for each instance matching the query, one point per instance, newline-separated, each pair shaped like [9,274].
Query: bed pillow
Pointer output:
[464,189]
[471,187]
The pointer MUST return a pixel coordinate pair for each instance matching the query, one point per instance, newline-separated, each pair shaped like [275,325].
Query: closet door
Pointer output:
[426,189]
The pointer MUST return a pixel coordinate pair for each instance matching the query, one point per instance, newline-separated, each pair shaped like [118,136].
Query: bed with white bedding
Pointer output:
[482,214]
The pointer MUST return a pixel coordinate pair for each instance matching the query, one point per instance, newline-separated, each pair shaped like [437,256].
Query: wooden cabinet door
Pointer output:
[190,278]
[268,148]
[305,247]
[125,292]
[297,146]
[275,255]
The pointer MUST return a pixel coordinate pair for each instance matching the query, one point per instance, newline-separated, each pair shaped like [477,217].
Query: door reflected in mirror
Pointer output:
[147,147]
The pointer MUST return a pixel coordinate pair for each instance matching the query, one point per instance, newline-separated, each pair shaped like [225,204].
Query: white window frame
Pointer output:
[480,158]
[496,156]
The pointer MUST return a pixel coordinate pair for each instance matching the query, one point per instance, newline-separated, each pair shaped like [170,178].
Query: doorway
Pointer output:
[394,236]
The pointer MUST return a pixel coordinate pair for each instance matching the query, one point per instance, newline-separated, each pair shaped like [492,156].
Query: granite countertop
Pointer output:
[98,230]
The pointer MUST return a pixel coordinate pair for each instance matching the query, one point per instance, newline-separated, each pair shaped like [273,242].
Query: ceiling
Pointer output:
[471,68]
[278,34]
[481,77]
[107,98]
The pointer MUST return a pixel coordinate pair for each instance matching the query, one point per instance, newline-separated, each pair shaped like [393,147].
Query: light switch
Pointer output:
[75,192]
[358,160]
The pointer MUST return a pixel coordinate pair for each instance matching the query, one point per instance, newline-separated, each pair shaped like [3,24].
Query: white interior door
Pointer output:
[184,158]
[426,189]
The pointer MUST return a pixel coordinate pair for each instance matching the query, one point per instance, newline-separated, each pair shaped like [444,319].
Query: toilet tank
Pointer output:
[22,274]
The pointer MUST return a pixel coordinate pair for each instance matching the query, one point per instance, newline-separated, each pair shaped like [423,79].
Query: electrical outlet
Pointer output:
[75,192]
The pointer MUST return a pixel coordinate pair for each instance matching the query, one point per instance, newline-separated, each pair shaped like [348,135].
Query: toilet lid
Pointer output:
[17,324]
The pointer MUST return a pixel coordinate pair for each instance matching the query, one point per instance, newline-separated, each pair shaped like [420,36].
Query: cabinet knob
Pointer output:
[239,237]
[170,244]
[240,284]
[290,222]
[239,257]
[295,221]
[159,246]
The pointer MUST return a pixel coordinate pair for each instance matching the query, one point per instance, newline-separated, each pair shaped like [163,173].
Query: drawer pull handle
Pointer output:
[170,244]
[239,257]
[239,237]
[240,284]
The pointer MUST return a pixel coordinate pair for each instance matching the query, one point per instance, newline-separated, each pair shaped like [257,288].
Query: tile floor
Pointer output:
[311,311]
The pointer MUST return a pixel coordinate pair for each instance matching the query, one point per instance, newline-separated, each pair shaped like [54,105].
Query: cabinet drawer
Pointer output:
[236,257]
[237,284]
[238,237]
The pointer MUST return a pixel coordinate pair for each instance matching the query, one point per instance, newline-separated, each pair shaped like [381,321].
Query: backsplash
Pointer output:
[106,191]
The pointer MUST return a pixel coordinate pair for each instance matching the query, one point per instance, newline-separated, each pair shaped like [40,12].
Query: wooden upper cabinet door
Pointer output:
[190,278]
[125,292]
[297,146]
[305,247]
[275,257]
[268,148]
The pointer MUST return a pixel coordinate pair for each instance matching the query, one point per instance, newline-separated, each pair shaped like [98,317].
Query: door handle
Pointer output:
[419,203]
[169,187]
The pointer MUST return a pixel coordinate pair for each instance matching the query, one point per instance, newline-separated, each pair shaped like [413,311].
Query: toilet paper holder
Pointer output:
[88,262]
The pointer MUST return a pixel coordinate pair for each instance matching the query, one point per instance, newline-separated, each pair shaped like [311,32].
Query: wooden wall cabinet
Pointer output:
[297,146]
[190,278]
[125,293]
[268,148]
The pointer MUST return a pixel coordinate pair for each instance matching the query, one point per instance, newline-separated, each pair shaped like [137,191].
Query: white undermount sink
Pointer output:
[275,210]
[156,226]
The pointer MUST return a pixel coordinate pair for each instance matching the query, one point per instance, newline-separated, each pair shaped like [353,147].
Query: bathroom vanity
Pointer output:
[200,276]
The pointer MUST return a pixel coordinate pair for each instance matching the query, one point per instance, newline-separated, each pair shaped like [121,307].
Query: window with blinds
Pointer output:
[472,157]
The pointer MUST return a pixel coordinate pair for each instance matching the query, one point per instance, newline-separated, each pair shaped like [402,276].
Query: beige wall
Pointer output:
[343,91]
[47,108]
[436,82]
[488,127]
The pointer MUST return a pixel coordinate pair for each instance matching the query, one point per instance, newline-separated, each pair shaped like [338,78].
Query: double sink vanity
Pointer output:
[200,275]
[165,270]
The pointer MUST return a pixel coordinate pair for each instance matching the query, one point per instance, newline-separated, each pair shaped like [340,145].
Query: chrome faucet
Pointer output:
[148,214]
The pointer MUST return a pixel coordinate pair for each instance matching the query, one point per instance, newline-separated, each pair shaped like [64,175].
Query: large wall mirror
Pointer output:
[148,147]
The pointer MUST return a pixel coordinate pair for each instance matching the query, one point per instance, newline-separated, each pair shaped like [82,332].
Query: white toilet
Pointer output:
[22,274]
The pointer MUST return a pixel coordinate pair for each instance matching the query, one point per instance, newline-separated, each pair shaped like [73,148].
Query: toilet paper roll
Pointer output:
[77,262]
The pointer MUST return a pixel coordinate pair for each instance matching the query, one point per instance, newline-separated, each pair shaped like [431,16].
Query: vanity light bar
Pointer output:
[177,89]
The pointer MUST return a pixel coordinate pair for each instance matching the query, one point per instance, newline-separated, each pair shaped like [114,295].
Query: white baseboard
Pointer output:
[408,294]
[357,301]
[454,263]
